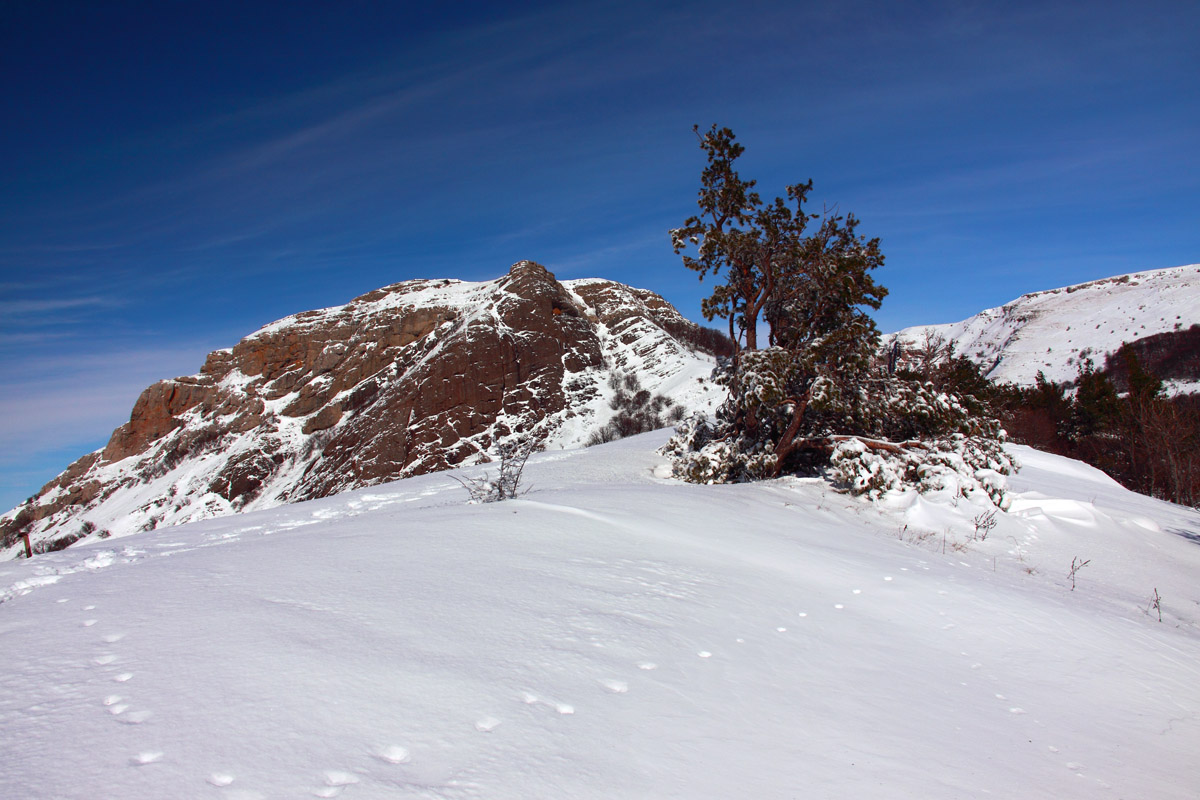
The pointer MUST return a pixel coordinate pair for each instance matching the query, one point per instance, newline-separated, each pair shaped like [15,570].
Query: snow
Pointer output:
[616,633]
[1054,331]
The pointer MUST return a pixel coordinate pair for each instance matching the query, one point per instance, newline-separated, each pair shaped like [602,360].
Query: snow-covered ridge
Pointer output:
[1053,331]
[617,634]
[444,293]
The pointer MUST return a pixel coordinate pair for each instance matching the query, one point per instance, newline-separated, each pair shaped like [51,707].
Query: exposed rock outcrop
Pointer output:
[419,376]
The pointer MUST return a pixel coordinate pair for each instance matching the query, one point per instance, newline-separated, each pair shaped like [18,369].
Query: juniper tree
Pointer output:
[809,287]
[811,398]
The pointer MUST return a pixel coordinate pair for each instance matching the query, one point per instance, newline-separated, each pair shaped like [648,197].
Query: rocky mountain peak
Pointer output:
[414,377]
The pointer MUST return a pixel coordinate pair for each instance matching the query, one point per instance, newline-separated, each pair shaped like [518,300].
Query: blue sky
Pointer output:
[179,173]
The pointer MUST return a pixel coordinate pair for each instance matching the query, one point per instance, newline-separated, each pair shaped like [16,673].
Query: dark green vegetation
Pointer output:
[1118,418]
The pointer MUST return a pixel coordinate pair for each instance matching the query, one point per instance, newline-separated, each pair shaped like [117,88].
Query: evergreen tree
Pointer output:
[1049,396]
[1097,406]
[810,289]
[1144,386]
[812,398]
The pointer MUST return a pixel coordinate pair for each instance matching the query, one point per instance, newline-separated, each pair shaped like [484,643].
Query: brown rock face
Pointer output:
[415,377]
[458,382]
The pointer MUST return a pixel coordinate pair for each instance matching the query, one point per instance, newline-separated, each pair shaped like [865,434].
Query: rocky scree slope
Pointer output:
[416,377]
[1053,331]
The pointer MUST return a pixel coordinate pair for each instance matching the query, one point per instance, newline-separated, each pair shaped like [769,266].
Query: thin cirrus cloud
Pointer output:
[46,309]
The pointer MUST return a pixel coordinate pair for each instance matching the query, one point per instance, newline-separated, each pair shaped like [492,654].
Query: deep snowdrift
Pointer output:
[616,634]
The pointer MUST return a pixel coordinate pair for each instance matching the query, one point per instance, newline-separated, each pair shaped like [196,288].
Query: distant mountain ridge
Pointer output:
[412,378]
[1055,330]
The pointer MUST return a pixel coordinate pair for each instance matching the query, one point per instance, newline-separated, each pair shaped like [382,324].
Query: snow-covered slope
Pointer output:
[1053,331]
[616,634]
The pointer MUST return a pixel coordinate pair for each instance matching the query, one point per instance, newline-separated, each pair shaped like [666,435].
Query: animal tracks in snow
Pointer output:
[49,576]
[146,757]
[134,717]
[26,586]
[392,754]
[487,724]
[335,782]
[116,705]
[530,699]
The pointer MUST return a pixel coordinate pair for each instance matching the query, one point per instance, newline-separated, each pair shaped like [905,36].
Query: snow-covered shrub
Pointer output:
[959,465]
[700,457]
[869,434]
[863,471]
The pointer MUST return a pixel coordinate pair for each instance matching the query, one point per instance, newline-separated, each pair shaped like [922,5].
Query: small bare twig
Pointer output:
[1156,604]
[1076,565]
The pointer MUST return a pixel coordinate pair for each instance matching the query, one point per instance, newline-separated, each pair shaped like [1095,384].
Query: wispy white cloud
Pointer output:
[45,306]
[599,260]
[51,249]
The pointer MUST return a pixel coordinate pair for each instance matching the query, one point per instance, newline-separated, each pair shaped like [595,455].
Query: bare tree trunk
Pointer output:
[787,442]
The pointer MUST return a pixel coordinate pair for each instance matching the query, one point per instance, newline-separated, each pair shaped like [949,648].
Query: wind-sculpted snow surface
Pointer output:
[1053,331]
[615,633]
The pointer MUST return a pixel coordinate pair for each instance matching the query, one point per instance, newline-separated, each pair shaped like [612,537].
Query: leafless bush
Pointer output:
[698,337]
[54,545]
[507,484]
[984,523]
[931,350]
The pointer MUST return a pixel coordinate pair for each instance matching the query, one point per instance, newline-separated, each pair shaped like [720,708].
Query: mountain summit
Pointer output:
[415,377]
